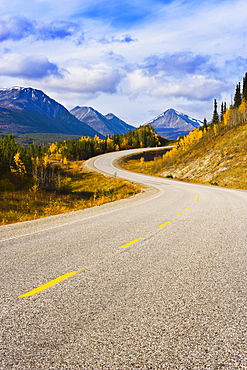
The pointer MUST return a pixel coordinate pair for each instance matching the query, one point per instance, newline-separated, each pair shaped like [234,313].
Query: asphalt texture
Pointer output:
[160,282]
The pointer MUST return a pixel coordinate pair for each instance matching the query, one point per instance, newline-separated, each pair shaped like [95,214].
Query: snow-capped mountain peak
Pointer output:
[172,123]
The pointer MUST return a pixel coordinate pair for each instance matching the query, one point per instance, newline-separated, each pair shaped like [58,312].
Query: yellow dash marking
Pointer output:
[49,284]
[180,214]
[197,195]
[194,203]
[132,242]
[189,207]
[166,223]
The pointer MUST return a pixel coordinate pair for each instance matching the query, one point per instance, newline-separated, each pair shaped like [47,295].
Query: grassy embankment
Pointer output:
[219,157]
[78,189]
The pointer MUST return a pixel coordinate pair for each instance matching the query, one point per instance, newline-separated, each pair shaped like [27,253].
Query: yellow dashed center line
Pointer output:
[69,274]
[197,195]
[166,223]
[49,284]
[132,242]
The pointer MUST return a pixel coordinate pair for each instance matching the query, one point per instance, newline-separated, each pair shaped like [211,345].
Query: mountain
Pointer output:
[119,126]
[27,110]
[172,124]
[106,125]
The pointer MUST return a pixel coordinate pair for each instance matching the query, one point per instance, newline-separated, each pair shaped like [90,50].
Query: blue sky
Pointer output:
[135,58]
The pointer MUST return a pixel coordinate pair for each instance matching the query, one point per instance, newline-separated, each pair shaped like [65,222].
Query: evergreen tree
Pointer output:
[223,110]
[237,97]
[215,118]
[224,107]
[244,93]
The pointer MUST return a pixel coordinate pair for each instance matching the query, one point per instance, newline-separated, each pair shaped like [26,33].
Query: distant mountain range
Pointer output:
[172,124]
[105,125]
[27,110]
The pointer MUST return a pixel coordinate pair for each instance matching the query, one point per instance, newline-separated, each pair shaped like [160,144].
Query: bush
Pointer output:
[6,185]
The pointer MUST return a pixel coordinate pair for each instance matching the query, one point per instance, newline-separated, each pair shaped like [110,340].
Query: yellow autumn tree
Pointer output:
[227,117]
[243,109]
[97,143]
[46,161]
[124,144]
[184,144]
[109,144]
[215,128]
[19,167]
[53,148]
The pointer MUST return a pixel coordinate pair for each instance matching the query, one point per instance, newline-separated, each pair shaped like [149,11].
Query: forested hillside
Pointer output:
[39,181]
[21,167]
[213,154]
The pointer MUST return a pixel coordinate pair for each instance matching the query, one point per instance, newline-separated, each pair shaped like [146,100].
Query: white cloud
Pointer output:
[184,53]
[192,88]
[30,67]
[88,78]
[137,81]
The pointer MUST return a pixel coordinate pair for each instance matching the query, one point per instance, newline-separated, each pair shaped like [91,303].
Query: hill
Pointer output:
[218,160]
[215,155]
[171,124]
[105,125]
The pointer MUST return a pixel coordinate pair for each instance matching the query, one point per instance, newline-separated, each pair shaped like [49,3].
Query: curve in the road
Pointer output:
[156,281]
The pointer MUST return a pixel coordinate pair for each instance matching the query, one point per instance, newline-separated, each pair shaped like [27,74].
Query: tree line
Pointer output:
[236,113]
[22,167]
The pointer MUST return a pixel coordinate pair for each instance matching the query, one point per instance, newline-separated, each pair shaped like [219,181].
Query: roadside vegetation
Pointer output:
[214,154]
[76,189]
[39,181]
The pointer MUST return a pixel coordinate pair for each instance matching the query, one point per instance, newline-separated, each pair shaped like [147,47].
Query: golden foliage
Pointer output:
[184,144]
[215,128]
[19,167]
[53,148]
[79,189]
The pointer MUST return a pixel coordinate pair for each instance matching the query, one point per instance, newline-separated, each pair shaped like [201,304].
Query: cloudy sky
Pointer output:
[135,58]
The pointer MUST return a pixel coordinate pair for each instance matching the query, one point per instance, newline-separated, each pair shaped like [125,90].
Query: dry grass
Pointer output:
[217,160]
[79,189]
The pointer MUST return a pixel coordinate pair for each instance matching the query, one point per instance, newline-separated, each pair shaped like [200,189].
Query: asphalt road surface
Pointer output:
[157,281]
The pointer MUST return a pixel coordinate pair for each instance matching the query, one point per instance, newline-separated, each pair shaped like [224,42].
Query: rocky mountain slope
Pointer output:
[106,125]
[27,110]
[172,124]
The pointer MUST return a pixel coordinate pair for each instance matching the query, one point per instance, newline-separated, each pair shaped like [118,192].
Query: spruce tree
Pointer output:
[244,93]
[215,118]
[224,107]
[237,97]
[222,111]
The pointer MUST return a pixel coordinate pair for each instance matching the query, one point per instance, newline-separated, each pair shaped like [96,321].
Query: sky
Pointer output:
[134,58]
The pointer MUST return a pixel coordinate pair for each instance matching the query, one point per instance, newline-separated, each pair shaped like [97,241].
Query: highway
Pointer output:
[156,281]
